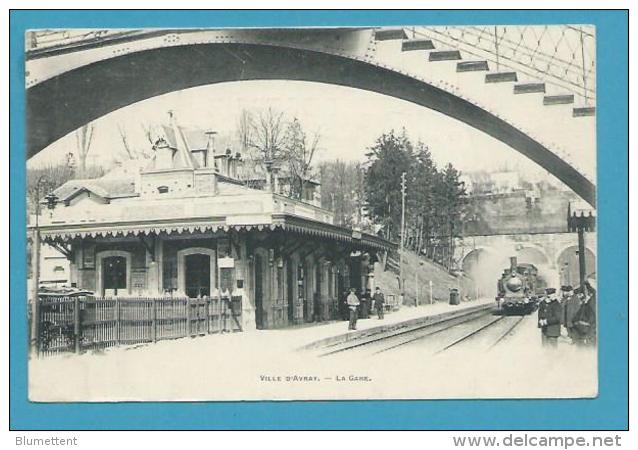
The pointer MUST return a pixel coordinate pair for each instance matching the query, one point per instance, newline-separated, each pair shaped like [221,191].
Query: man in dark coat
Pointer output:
[585,321]
[571,305]
[550,317]
[364,307]
[379,302]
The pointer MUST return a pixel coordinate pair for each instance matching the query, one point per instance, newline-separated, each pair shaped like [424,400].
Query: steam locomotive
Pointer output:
[519,288]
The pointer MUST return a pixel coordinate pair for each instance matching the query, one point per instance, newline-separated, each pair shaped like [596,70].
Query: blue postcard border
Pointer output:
[609,411]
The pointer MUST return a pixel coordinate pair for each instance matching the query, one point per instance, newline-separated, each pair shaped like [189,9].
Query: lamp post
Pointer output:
[579,223]
[51,202]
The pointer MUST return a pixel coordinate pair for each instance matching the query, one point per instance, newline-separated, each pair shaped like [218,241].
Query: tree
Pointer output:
[135,153]
[269,142]
[125,143]
[299,151]
[390,156]
[245,127]
[83,136]
[267,136]
[149,134]
[420,199]
[43,180]
[435,199]
[450,204]
[342,189]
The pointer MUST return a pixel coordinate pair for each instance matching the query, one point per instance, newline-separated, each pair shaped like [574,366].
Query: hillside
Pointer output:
[422,270]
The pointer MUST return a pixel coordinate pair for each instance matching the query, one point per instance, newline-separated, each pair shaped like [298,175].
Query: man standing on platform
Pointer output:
[353,305]
[571,305]
[585,318]
[550,317]
[379,302]
[364,306]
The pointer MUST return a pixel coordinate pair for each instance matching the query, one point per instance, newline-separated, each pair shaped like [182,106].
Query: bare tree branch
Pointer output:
[84,137]
[148,133]
[124,137]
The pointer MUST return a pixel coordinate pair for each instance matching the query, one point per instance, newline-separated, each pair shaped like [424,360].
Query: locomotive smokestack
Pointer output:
[513,263]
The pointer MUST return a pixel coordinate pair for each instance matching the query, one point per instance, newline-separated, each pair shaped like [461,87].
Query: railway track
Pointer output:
[493,331]
[479,327]
[402,335]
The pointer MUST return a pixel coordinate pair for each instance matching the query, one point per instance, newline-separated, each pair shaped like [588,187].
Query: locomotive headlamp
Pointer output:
[514,284]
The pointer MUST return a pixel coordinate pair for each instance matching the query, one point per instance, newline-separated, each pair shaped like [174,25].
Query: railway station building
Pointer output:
[185,226]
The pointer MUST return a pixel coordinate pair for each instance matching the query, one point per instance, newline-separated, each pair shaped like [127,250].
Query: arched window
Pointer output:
[162,189]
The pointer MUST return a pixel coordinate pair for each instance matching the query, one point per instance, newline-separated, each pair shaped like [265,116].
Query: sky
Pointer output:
[348,120]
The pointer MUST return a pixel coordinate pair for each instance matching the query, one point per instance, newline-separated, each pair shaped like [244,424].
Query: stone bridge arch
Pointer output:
[568,266]
[532,254]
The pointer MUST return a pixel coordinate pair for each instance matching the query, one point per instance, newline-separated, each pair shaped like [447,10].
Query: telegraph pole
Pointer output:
[403,189]
[51,200]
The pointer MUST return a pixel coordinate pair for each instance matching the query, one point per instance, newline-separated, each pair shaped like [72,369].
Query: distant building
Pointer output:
[491,182]
[507,202]
[188,226]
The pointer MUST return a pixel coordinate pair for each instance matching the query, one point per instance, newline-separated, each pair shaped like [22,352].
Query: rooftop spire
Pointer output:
[183,157]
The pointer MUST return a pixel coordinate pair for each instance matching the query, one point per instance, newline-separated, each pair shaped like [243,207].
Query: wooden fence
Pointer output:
[80,323]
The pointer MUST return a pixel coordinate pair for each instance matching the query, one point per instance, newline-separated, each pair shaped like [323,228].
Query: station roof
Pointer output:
[107,188]
[280,221]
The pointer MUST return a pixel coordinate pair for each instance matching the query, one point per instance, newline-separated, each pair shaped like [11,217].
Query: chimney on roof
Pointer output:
[210,146]
[228,163]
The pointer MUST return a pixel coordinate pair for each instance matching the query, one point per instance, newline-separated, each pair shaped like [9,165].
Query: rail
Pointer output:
[398,334]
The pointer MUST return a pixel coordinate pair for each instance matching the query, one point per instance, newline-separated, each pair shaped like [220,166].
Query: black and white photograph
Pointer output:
[317,213]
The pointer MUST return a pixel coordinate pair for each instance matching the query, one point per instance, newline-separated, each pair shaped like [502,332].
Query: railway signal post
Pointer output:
[579,223]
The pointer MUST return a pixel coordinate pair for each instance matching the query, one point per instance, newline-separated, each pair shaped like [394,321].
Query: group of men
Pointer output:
[573,315]
[353,302]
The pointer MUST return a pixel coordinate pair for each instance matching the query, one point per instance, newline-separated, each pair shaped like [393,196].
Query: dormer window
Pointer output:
[162,189]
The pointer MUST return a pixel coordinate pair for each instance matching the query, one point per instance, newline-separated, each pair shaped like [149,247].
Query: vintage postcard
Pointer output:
[312,213]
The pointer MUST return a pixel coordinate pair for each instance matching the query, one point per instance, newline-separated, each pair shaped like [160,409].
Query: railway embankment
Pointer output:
[417,273]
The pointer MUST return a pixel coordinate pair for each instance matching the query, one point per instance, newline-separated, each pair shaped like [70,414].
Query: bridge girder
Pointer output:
[64,102]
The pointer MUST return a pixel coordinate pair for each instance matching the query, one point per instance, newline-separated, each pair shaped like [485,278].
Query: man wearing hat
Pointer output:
[549,318]
[585,318]
[585,322]
[353,305]
[571,305]
[379,302]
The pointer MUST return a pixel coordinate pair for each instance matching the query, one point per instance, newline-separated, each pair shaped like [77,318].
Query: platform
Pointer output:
[336,331]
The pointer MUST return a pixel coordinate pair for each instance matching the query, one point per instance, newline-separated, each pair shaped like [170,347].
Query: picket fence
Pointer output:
[81,323]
